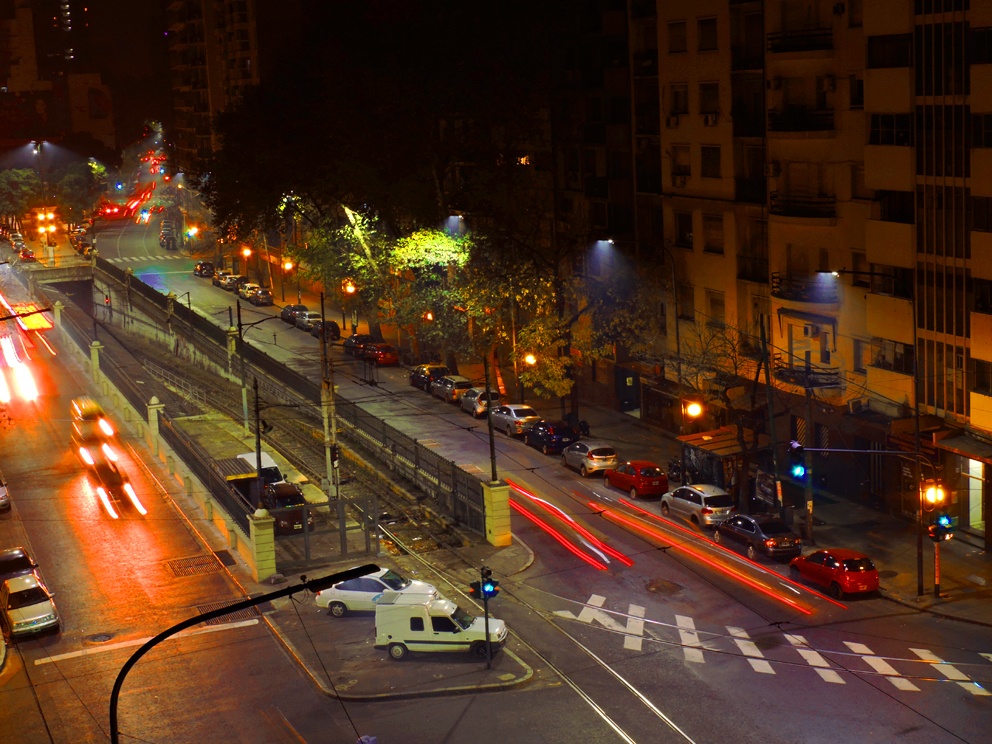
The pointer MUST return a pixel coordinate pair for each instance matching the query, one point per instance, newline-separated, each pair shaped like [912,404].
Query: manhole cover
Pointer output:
[198,564]
[99,638]
[660,586]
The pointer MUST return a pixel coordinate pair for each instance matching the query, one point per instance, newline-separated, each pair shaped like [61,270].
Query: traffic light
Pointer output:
[475,590]
[335,456]
[797,460]
[106,300]
[489,586]
[942,527]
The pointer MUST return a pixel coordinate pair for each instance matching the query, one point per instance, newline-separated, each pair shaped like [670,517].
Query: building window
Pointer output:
[981,46]
[981,130]
[687,302]
[678,94]
[980,209]
[861,351]
[861,269]
[857,93]
[859,189]
[710,162]
[982,377]
[706,30]
[887,354]
[891,129]
[680,161]
[713,233]
[982,289]
[683,229]
[709,98]
[716,305]
[677,38]
[893,50]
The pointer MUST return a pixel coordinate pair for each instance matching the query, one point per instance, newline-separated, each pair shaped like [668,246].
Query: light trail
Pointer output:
[557,536]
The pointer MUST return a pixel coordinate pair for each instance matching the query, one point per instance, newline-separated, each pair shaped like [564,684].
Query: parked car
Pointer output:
[638,478]
[230,283]
[262,296]
[702,504]
[476,400]
[288,313]
[589,456]
[328,327]
[203,268]
[306,319]
[841,571]
[16,562]
[760,534]
[361,594]
[219,276]
[551,437]
[450,387]
[26,606]
[285,501]
[4,495]
[514,418]
[239,282]
[246,290]
[383,355]
[355,343]
[27,255]
[423,375]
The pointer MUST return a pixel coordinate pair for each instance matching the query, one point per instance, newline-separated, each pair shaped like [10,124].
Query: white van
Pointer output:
[435,625]
[270,471]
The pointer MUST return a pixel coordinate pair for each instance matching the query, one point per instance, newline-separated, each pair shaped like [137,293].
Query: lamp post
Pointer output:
[691,409]
[286,266]
[242,329]
[41,170]
[530,360]
[349,289]
[246,254]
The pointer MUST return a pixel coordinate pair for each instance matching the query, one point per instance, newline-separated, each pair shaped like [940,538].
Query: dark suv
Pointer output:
[422,376]
[285,502]
[551,437]
[288,313]
[203,268]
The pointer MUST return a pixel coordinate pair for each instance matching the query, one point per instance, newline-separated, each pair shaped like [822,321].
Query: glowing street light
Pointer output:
[287,266]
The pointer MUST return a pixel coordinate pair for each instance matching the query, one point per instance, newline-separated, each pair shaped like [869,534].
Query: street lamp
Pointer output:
[530,360]
[246,254]
[287,266]
[41,170]
[690,409]
[349,289]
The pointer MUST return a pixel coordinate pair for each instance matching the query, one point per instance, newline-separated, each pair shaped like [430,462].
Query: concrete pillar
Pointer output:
[263,544]
[496,499]
[232,348]
[58,307]
[95,347]
[152,433]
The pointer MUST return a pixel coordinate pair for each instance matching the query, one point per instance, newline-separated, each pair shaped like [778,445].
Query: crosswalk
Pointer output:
[836,666]
[137,259]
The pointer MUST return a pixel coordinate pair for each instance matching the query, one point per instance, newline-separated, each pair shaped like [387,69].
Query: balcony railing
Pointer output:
[800,119]
[788,205]
[808,40]
[814,377]
[805,289]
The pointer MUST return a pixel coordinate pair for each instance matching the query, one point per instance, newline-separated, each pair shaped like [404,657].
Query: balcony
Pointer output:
[752,268]
[815,377]
[808,40]
[750,190]
[817,207]
[800,119]
[805,289]
[742,58]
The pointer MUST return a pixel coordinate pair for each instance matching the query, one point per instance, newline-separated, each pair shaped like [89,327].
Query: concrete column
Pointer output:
[95,347]
[232,348]
[496,498]
[263,544]
[152,434]
[58,307]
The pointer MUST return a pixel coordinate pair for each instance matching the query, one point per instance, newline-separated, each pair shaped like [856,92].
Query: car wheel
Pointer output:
[397,651]
[479,649]
[633,494]
[564,462]
[716,537]
[664,509]
[546,450]
[337,609]
[583,472]
[509,431]
[794,573]
[695,520]
[836,592]
[752,553]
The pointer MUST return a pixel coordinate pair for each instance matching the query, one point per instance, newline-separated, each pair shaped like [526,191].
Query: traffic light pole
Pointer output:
[936,570]
[809,459]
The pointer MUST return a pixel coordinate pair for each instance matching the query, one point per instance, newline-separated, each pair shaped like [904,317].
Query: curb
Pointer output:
[904,602]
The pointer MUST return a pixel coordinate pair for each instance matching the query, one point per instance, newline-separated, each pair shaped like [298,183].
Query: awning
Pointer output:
[723,442]
[967,446]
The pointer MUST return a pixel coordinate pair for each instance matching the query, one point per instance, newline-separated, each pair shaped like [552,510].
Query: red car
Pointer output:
[840,571]
[383,355]
[638,478]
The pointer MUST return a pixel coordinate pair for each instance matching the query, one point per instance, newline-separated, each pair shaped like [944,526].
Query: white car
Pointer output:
[362,594]
[27,605]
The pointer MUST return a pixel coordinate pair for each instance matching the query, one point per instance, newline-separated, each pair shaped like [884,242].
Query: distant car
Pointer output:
[27,606]
[589,456]
[702,504]
[284,501]
[305,320]
[760,534]
[383,355]
[203,268]
[423,375]
[840,571]
[112,483]
[288,313]
[514,419]
[262,296]
[551,437]
[476,400]
[16,562]
[4,496]
[246,290]
[27,255]
[328,327]
[361,594]
[89,421]
[638,478]
[355,343]
[229,283]
[220,276]
[239,282]
[450,387]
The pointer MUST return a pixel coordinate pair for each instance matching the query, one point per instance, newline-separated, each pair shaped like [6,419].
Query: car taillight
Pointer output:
[706,510]
[769,543]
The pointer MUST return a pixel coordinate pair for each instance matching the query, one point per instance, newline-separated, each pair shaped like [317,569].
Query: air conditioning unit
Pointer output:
[774,83]
[858,405]
[772,169]
[679,180]
[811,330]
[709,120]
[827,84]
[673,121]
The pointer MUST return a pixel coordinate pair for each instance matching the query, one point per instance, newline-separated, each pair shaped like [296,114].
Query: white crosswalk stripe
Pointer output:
[635,628]
[748,647]
[882,666]
[690,639]
[133,259]
[950,672]
[814,659]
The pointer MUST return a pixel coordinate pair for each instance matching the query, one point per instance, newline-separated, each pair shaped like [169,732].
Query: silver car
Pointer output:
[514,419]
[476,401]
[450,387]
[589,456]
[702,504]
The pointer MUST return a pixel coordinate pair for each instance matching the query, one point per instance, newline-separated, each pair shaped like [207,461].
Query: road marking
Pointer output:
[690,639]
[632,631]
[139,641]
[814,659]
[882,667]
[951,672]
[748,647]
[635,628]
[987,657]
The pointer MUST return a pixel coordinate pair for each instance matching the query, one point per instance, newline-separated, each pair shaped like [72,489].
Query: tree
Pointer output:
[19,190]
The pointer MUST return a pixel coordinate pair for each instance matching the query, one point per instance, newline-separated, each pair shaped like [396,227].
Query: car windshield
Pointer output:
[271,475]
[651,472]
[288,499]
[775,527]
[463,385]
[859,564]
[27,597]
[12,566]
[489,397]
[523,412]
[461,617]
[394,581]
[720,500]
[603,452]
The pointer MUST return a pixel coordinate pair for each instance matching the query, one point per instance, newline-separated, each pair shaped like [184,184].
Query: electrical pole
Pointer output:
[809,455]
[258,445]
[771,422]
[241,357]
[489,421]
